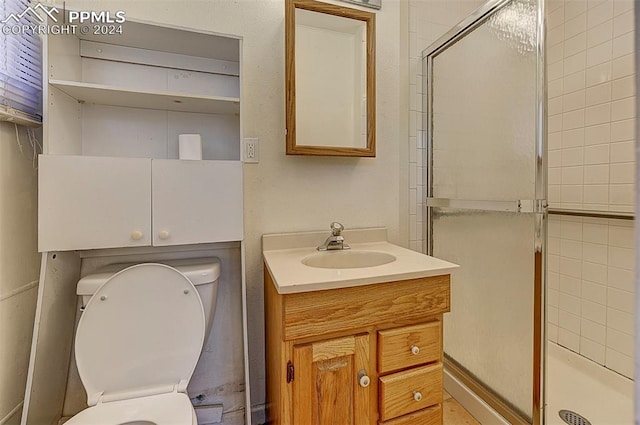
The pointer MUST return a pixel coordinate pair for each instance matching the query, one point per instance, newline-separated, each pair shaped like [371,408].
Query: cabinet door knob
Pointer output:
[363,379]
[417,396]
[415,349]
[163,235]
[136,235]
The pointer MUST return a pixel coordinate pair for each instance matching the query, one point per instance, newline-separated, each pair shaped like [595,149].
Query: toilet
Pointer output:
[139,339]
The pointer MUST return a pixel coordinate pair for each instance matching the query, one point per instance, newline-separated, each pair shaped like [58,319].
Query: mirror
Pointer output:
[330,79]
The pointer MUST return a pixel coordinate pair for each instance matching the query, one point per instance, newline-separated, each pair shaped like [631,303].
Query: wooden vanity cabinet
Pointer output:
[362,355]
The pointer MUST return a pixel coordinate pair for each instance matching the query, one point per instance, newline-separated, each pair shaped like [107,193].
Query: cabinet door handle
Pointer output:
[363,379]
[164,234]
[415,349]
[136,235]
[417,396]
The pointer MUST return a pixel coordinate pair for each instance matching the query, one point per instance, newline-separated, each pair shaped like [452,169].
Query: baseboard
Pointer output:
[10,418]
[480,410]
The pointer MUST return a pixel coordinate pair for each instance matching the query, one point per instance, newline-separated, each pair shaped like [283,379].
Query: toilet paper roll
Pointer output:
[190,146]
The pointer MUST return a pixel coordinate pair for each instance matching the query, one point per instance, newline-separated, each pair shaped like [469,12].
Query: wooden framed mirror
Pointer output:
[330,80]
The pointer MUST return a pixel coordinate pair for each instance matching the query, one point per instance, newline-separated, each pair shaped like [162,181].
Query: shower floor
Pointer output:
[575,383]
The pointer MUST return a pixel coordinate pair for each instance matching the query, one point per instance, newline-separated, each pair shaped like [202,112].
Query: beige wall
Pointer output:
[19,268]
[287,193]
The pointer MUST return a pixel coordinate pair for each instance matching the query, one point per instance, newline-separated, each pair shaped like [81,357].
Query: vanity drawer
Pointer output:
[409,346]
[429,416]
[409,391]
[318,313]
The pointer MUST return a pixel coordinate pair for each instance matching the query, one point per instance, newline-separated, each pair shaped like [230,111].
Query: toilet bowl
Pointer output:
[139,339]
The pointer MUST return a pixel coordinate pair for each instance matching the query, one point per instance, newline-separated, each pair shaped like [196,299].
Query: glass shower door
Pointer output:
[486,203]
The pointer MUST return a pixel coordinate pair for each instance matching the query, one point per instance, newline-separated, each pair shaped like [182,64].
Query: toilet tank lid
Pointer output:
[198,270]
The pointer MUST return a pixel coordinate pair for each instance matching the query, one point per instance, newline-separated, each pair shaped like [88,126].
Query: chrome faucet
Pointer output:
[336,240]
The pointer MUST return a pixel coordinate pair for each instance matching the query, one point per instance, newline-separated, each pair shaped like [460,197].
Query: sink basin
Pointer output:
[348,259]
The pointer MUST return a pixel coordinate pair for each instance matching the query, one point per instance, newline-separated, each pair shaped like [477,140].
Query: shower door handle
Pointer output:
[536,206]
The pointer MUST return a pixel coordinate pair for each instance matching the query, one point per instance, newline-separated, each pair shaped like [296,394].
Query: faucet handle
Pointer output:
[336,228]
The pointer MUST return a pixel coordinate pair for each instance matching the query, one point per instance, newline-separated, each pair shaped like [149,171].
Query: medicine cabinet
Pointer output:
[114,107]
[330,80]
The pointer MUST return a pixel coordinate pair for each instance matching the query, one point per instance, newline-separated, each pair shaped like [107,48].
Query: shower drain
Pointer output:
[572,418]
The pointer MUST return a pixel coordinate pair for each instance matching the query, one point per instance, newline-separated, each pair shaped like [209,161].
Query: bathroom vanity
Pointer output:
[353,345]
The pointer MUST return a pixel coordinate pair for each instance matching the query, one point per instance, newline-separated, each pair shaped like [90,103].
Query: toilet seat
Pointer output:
[137,344]
[163,409]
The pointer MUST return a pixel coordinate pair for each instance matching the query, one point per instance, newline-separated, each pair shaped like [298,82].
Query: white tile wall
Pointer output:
[591,104]
[591,140]
[591,291]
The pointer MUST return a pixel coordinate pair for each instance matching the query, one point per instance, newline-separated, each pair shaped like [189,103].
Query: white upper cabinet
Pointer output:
[196,201]
[114,107]
[93,202]
[144,202]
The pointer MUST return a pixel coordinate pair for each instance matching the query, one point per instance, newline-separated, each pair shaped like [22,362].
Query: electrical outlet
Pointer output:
[251,150]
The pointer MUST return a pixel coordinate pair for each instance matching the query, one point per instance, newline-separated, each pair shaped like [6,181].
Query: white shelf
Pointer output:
[161,100]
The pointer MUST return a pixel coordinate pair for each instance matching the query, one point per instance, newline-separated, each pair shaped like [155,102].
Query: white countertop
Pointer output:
[283,254]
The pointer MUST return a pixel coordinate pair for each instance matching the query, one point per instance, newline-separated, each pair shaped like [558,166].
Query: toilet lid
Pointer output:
[141,333]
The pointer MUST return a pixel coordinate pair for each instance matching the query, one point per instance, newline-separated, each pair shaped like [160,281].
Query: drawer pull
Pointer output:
[415,349]
[136,235]
[417,396]
[363,379]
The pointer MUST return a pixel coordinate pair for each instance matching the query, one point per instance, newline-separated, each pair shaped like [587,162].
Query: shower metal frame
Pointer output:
[538,206]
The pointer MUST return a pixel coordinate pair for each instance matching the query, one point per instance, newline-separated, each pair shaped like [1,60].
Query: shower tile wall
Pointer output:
[591,298]
[591,110]
[428,21]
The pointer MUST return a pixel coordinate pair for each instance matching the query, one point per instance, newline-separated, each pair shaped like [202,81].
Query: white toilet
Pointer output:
[139,339]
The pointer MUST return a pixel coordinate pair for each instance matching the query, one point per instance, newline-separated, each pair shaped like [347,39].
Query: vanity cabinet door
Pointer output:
[196,201]
[332,383]
[93,202]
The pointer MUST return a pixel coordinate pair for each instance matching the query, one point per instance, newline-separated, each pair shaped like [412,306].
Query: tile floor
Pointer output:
[454,414]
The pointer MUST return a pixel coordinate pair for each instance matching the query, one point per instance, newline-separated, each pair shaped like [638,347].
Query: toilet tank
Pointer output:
[202,272]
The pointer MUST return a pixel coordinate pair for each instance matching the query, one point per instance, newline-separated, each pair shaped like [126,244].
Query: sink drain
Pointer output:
[572,418]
